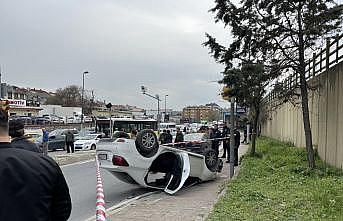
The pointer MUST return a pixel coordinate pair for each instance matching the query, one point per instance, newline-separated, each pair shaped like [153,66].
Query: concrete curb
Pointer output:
[118,207]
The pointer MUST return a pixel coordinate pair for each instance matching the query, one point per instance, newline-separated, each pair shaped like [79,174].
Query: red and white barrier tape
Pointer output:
[100,197]
[198,141]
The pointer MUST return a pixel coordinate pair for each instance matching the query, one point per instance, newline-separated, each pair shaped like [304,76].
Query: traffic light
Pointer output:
[109,105]
[226,93]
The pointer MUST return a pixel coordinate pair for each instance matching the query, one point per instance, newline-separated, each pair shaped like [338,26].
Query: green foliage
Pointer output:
[279,186]
[68,96]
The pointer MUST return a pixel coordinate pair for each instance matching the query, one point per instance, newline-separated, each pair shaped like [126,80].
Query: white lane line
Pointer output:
[116,208]
[78,163]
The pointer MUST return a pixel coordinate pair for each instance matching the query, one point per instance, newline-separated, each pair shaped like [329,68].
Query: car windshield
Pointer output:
[195,136]
[88,137]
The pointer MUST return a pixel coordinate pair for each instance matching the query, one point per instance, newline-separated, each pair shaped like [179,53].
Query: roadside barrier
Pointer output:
[100,197]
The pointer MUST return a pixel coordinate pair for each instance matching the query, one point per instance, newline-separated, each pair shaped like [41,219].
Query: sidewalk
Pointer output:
[79,156]
[193,203]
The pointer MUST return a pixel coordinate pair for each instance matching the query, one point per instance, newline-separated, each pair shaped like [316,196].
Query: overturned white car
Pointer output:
[143,161]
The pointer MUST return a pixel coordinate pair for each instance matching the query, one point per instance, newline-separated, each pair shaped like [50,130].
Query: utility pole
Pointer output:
[165,107]
[232,137]
[157,97]
[82,95]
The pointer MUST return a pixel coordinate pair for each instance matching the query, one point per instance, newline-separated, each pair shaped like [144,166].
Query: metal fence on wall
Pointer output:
[320,62]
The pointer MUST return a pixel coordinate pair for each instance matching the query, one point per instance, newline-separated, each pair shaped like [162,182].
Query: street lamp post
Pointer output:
[82,95]
[157,97]
[165,107]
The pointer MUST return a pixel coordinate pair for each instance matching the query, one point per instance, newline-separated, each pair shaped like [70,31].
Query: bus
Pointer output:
[102,125]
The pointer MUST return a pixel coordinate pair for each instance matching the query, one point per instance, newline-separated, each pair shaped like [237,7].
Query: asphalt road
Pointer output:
[81,179]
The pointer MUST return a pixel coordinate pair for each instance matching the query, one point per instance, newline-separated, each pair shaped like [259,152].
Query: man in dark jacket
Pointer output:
[70,141]
[32,185]
[215,135]
[169,137]
[16,132]
[163,137]
[237,143]
[226,142]
[179,136]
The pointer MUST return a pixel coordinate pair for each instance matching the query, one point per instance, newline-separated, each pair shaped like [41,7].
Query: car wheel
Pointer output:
[93,147]
[147,143]
[211,159]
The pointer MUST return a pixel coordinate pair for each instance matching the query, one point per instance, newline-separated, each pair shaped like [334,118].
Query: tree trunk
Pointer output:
[304,96]
[254,134]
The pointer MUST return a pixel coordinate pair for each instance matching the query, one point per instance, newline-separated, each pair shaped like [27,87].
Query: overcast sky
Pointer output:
[122,43]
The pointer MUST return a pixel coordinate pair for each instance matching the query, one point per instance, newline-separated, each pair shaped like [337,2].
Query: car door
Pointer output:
[179,174]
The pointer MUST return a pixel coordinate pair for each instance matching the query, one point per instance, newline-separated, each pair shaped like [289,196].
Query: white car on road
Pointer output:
[87,142]
[144,162]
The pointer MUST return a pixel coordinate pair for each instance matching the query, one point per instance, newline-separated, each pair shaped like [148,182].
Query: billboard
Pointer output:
[17,103]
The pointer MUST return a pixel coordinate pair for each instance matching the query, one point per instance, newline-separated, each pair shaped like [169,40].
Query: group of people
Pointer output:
[216,136]
[32,184]
[167,138]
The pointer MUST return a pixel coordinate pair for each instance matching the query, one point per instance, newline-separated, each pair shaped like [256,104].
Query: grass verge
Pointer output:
[277,185]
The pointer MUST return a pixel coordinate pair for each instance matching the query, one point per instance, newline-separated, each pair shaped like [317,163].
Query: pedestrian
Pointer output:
[32,185]
[226,141]
[133,134]
[16,132]
[245,135]
[237,143]
[179,136]
[162,137]
[69,140]
[215,136]
[169,137]
[45,140]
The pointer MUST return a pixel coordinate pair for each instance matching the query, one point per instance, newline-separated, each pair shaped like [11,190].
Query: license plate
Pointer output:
[102,156]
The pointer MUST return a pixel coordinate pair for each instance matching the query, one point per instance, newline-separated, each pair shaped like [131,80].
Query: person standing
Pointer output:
[45,140]
[245,136]
[133,134]
[226,141]
[237,143]
[216,135]
[69,139]
[179,136]
[16,132]
[163,137]
[169,137]
[32,185]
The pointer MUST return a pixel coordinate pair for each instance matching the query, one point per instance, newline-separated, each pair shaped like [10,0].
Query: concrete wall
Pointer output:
[326,115]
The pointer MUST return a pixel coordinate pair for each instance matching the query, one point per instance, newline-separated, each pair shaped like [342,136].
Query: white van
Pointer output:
[168,126]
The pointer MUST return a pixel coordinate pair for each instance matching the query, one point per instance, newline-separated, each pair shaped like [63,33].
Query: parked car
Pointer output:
[143,161]
[87,119]
[33,134]
[24,119]
[73,120]
[40,121]
[57,138]
[54,118]
[87,142]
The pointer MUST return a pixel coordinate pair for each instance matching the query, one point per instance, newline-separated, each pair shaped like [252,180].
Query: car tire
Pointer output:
[147,143]
[211,159]
[93,147]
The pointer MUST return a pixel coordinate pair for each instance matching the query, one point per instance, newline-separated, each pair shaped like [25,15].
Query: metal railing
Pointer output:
[320,62]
